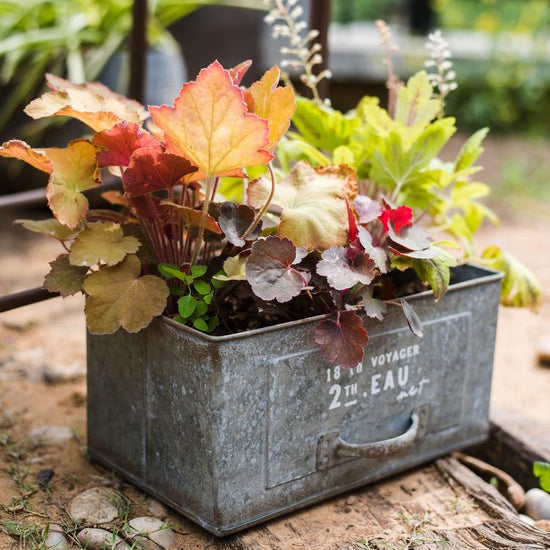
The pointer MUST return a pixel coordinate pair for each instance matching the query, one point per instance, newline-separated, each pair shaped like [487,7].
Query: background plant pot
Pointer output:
[233,430]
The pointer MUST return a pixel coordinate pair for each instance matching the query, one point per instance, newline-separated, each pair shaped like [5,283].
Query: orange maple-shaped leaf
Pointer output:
[74,170]
[209,124]
[276,104]
[22,151]
[92,103]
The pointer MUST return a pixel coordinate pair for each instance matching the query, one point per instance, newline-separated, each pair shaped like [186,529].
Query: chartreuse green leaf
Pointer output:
[65,278]
[198,271]
[436,272]
[470,151]
[542,471]
[415,106]
[343,155]
[102,243]
[323,127]
[520,287]
[118,296]
[49,227]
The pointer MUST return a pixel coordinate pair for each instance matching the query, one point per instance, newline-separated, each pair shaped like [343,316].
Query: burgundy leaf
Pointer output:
[235,220]
[342,341]
[352,224]
[377,254]
[148,207]
[120,141]
[151,170]
[413,320]
[367,209]
[341,273]
[270,273]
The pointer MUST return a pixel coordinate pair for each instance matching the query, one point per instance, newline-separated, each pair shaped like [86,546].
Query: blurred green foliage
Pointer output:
[509,91]
[74,39]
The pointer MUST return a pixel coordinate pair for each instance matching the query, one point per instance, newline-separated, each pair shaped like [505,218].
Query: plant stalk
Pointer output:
[204,214]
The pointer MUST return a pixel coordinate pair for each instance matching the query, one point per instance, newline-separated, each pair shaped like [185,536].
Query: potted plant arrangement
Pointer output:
[250,356]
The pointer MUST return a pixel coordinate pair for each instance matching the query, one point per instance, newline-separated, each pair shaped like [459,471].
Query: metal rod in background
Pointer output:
[138,51]
[319,18]
[25,298]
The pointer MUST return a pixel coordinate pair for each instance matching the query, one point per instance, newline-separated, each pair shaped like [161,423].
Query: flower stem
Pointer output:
[264,208]
[204,215]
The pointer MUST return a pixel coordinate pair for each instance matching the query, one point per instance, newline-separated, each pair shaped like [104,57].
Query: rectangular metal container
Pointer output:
[233,430]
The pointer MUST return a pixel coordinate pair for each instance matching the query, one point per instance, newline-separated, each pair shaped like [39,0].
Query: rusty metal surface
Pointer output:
[226,429]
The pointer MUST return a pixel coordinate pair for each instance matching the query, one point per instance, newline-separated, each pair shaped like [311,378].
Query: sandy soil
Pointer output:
[52,333]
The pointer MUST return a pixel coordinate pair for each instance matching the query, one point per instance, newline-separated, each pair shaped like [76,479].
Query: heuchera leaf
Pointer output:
[234,269]
[377,253]
[367,209]
[20,150]
[115,197]
[92,103]
[209,124]
[435,271]
[275,104]
[341,273]
[411,239]
[413,320]
[152,170]
[342,341]
[74,170]
[119,297]
[314,211]
[119,142]
[102,243]
[49,227]
[373,307]
[520,287]
[65,278]
[235,220]
[192,217]
[415,105]
[400,217]
[270,273]
[238,71]
[345,174]
[542,471]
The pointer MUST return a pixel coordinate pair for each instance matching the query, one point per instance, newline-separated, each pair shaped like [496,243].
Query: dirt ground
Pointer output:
[47,341]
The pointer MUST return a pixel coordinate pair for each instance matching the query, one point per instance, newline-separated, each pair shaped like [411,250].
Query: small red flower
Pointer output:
[400,217]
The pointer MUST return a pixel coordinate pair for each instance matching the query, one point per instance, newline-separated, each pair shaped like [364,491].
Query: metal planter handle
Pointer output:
[332,447]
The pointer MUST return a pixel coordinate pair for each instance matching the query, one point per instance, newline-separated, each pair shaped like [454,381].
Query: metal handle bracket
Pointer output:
[331,447]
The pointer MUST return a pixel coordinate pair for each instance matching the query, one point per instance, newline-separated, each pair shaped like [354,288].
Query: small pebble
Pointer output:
[544,353]
[100,539]
[56,539]
[95,506]
[51,435]
[537,504]
[44,477]
[153,529]
[543,525]
[157,509]
[53,374]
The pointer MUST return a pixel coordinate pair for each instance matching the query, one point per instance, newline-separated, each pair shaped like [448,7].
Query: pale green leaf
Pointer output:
[520,287]
[102,243]
[233,268]
[436,272]
[470,151]
[65,278]
[343,155]
[49,227]
[314,211]
[120,297]
[415,106]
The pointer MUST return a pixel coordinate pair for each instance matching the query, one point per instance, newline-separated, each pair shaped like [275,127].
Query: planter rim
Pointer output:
[490,276]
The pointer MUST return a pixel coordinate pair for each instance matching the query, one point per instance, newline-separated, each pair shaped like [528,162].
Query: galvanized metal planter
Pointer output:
[233,430]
